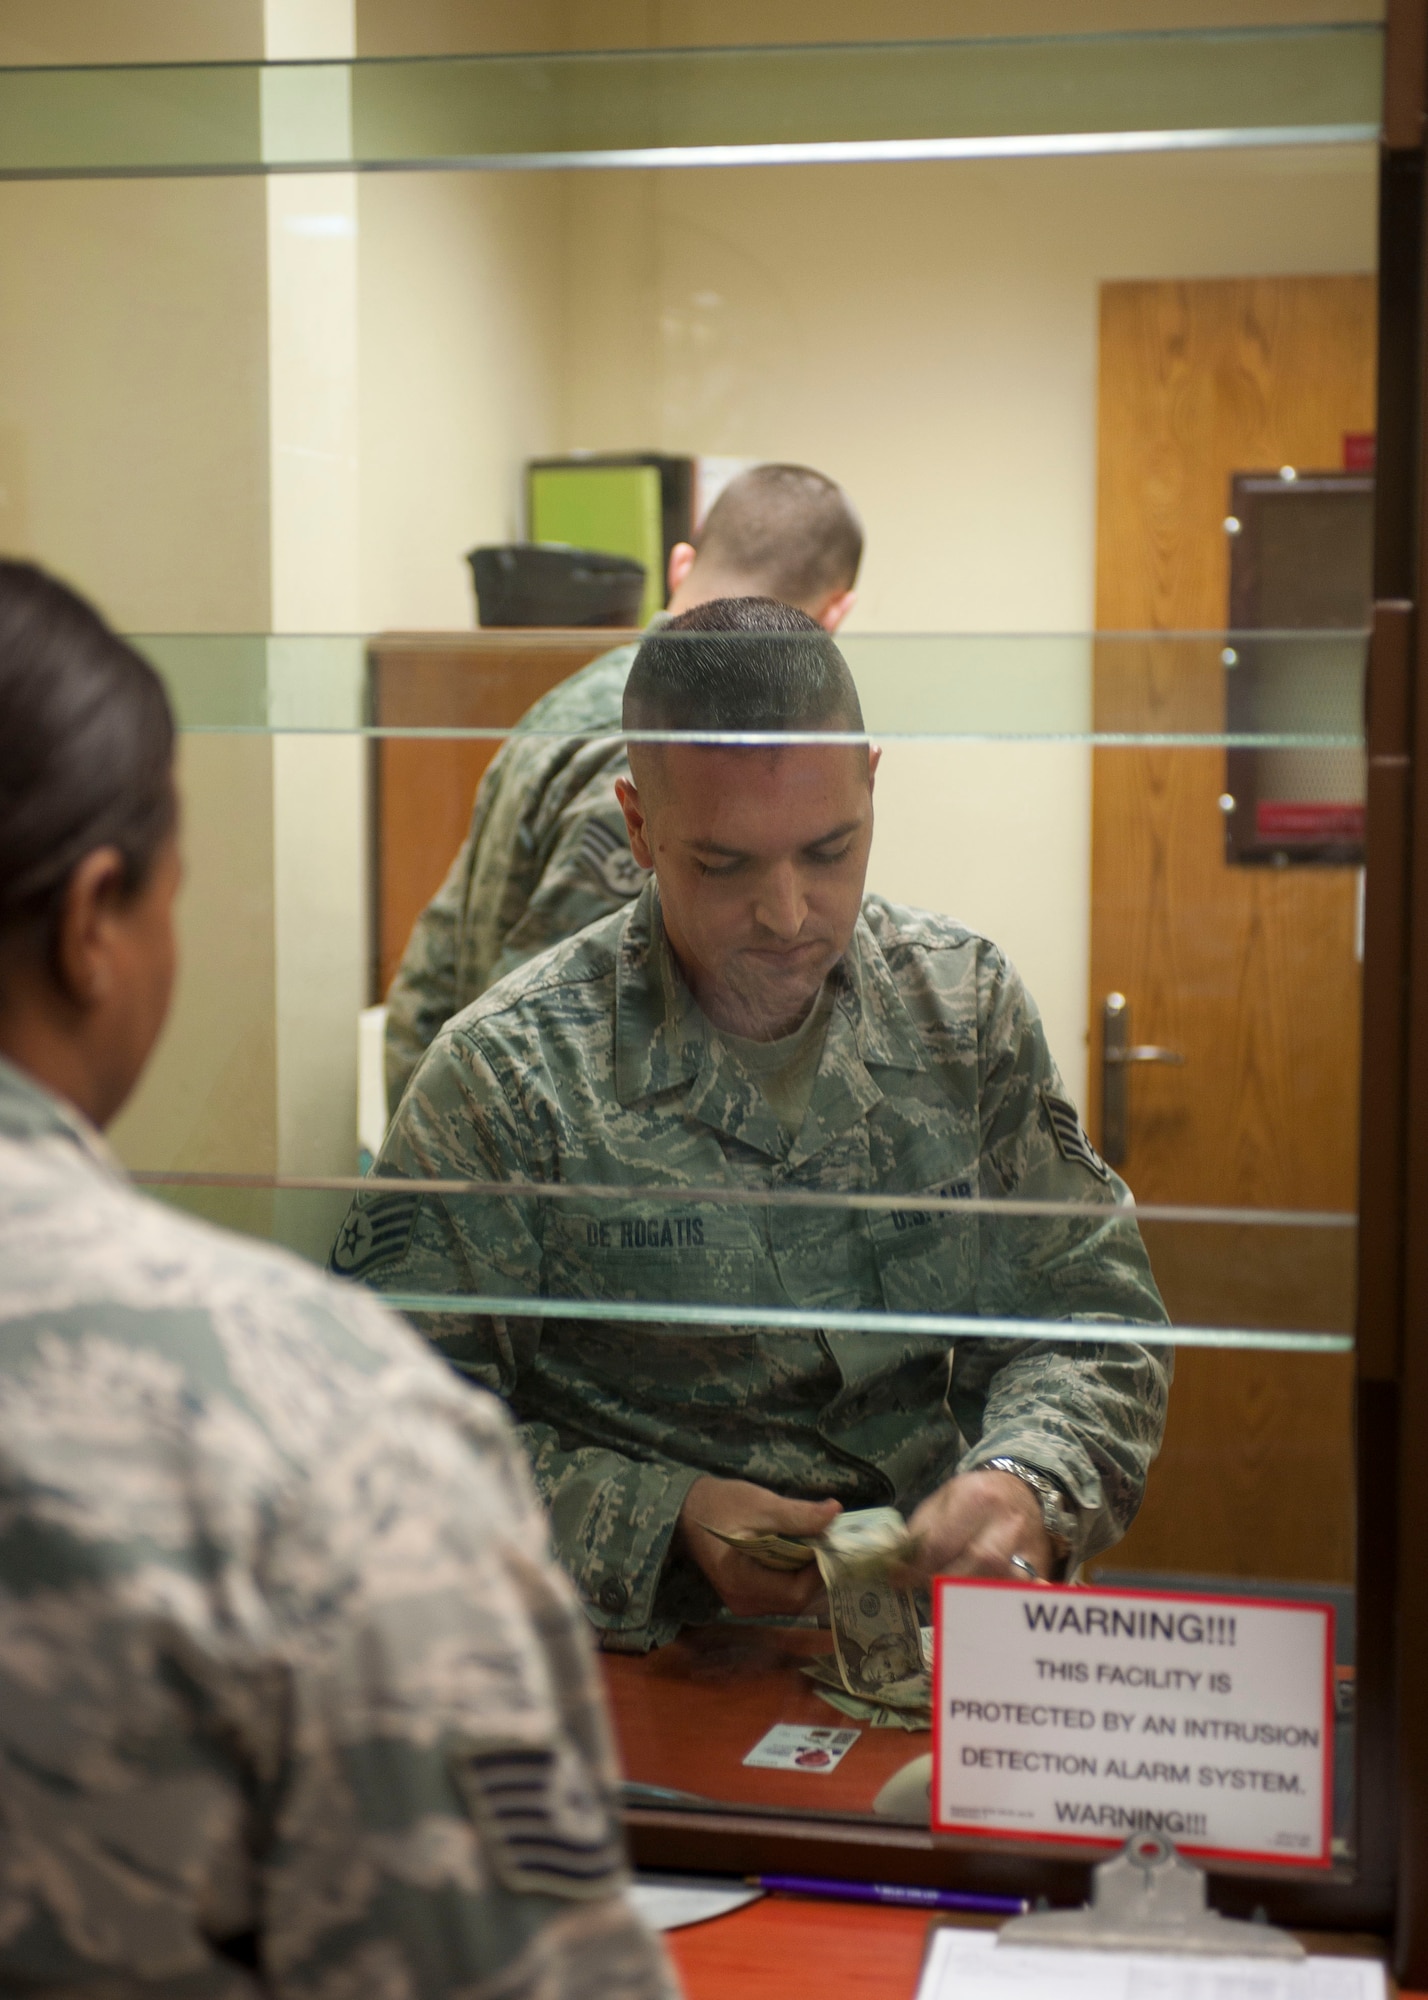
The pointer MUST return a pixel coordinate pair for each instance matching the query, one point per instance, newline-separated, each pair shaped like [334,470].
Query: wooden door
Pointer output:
[423,786]
[1250,973]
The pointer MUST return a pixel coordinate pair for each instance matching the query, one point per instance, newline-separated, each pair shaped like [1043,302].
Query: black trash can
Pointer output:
[545,583]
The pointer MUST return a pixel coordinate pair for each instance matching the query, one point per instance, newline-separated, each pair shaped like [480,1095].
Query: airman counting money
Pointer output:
[755,1025]
[293,1700]
[547,852]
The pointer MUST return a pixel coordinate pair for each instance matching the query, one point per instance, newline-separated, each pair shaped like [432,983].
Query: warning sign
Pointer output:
[1087,1715]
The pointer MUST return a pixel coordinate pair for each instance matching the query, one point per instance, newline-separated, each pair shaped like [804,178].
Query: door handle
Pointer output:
[1117,1055]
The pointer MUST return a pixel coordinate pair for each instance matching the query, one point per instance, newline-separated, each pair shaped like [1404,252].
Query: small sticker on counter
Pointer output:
[788,1746]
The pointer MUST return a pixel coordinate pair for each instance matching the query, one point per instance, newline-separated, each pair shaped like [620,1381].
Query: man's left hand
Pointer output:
[974,1524]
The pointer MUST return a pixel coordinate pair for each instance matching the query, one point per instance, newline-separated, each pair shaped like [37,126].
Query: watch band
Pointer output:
[1056,1513]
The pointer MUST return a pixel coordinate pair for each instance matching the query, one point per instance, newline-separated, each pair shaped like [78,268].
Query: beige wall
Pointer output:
[176,363]
[103,31]
[207,1103]
[133,358]
[430,27]
[927,334]
[130,31]
[133,459]
[460,333]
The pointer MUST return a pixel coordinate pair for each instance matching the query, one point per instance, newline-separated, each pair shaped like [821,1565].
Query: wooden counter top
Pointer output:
[687,1716]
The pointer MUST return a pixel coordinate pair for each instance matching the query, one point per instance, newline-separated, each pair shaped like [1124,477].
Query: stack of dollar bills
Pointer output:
[879,1668]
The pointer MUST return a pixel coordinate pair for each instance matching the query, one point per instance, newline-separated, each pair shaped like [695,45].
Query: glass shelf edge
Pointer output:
[1091,739]
[1271,32]
[834,152]
[872,152]
[538,636]
[853,1200]
[931,1325]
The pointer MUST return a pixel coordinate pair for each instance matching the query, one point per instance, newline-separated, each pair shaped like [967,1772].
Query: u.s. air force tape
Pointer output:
[607,855]
[543,1824]
[377,1231]
[1070,1137]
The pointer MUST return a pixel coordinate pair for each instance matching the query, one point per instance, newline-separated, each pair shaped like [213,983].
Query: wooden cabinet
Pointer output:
[440,686]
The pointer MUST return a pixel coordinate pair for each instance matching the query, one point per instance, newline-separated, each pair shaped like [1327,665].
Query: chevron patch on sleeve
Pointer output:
[544,1825]
[609,859]
[377,1231]
[1070,1136]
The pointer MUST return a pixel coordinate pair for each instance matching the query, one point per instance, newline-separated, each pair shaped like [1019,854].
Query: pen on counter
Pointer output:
[891,1892]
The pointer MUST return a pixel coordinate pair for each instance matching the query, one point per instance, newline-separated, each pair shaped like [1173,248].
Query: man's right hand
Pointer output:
[735,1506]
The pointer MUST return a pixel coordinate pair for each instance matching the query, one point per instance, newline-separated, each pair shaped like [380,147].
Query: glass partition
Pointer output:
[1106,689]
[1074,1154]
[910,100]
[584,1200]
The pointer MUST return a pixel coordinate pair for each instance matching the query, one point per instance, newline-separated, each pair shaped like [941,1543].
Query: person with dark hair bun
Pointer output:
[293,1700]
[88,855]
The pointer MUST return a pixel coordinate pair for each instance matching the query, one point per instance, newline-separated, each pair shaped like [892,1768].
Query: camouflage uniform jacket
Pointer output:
[547,854]
[593,1067]
[293,1700]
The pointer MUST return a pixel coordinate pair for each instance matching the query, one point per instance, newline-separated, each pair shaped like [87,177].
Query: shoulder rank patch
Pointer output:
[1070,1136]
[609,859]
[544,1826]
[377,1231]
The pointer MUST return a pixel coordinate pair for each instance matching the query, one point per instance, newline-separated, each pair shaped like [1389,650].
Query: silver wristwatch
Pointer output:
[1057,1515]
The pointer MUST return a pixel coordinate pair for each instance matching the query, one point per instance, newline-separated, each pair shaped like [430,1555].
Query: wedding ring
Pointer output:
[1026,1568]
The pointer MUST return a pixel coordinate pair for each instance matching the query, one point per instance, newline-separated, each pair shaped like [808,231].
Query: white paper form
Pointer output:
[672,1902]
[970,1965]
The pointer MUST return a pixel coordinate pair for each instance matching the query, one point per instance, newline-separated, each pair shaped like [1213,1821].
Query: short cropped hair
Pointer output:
[786,531]
[86,749]
[741,663]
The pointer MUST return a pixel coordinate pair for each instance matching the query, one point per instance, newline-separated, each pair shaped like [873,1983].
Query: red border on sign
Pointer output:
[942,1584]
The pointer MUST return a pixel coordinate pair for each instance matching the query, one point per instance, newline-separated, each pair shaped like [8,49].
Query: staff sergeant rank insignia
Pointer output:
[546,1825]
[610,860]
[1070,1137]
[377,1232]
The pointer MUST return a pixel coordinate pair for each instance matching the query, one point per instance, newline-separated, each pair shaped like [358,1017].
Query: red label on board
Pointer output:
[1359,451]
[1302,819]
